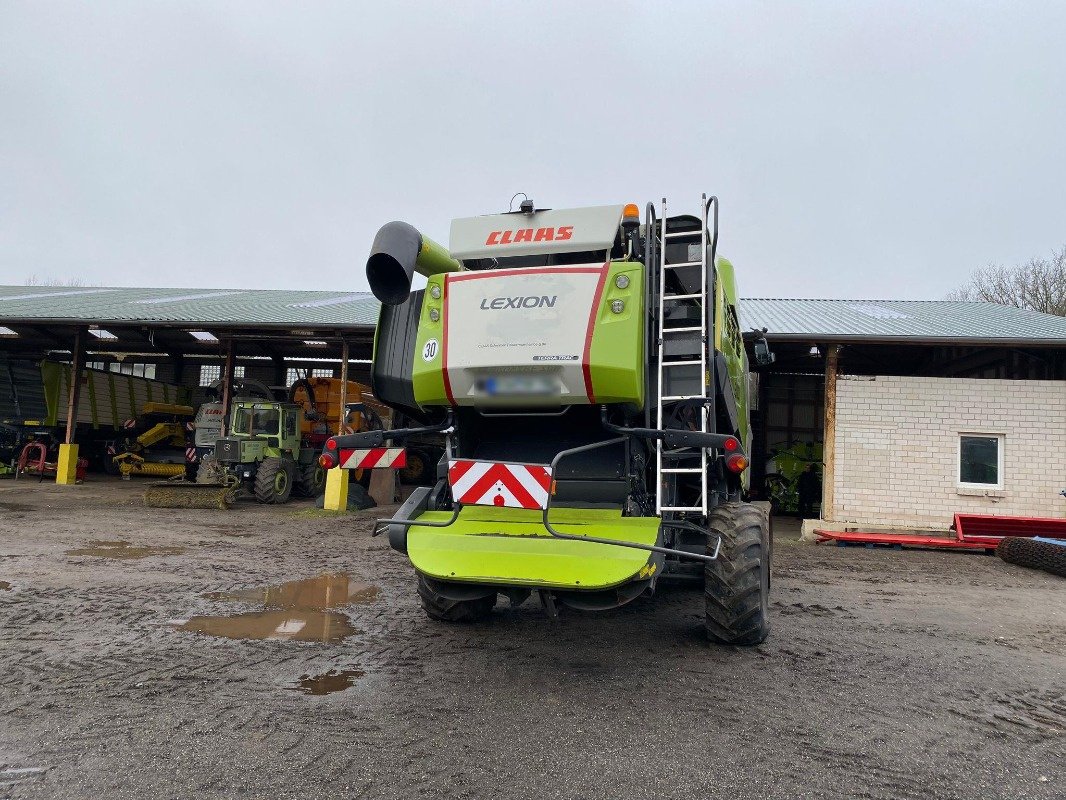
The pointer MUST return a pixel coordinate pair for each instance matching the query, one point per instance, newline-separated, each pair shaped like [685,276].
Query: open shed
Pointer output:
[916,409]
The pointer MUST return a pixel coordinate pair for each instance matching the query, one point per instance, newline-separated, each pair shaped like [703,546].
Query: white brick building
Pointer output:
[912,411]
[904,449]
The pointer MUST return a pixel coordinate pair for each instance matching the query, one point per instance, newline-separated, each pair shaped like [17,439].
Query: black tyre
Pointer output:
[310,480]
[207,471]
[445,609]
[417,471]
[1035,555]
[274,480]
[737,583]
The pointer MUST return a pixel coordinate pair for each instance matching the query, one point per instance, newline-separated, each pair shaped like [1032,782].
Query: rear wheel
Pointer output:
[446,609]
[737,583]
[310,480]
[273,480]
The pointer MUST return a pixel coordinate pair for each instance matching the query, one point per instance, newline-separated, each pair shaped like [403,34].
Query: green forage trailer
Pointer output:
[111,406]
[587,371]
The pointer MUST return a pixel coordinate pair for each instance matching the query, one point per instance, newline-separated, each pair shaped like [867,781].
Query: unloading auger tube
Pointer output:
[399,251]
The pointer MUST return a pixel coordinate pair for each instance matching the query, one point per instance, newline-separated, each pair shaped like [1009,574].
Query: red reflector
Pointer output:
[736,463]
[325,461]
[331,444]
[731,444]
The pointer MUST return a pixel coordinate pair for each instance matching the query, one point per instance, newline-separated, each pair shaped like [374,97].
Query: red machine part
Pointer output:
[33,460]
[972,532]
[991,530]
[902,539]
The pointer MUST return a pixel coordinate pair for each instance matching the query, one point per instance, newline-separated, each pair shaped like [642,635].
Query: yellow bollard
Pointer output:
[336,490]
[67,467]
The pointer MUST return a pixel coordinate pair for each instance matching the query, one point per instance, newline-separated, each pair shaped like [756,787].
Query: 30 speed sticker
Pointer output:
[430,350]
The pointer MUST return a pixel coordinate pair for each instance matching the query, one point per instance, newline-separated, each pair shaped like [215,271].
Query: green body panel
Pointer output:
[728,339]
[255,450]
[255,445]
[428,377]
[509,546]
[434,259]
[94,408]
[616,356]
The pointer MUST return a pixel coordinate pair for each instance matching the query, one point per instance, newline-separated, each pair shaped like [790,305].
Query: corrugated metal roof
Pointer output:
[887,320]
[194,306]
[823,320]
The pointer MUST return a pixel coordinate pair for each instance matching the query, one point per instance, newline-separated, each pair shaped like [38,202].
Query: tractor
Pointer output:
[587,372]
[264,453]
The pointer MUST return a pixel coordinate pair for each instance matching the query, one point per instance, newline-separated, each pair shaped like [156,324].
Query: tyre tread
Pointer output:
[733,588]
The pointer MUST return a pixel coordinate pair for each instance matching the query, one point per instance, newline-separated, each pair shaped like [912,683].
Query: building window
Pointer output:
[209,373]
[981,460]
[130,368]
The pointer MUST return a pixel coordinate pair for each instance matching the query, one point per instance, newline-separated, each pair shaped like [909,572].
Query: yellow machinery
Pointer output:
[132,464]
[320,399]
[167,434]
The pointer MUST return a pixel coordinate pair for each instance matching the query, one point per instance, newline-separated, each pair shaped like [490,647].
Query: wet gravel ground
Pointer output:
[888,674]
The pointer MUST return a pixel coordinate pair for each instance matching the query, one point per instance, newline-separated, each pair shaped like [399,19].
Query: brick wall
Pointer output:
[897,448]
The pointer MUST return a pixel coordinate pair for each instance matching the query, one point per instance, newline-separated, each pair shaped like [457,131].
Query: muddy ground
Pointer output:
[888,674]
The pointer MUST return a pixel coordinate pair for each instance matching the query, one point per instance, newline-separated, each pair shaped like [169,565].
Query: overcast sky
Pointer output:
[860,150]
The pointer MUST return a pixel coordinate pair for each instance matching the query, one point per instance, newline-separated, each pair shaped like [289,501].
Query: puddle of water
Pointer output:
[5,586]
[322,592]
[295,610]
[16,507]
[292,625]
[121,549]
[237,535]
[327,682]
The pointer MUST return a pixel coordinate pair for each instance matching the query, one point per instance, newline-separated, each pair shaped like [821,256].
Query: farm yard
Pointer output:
[142,652]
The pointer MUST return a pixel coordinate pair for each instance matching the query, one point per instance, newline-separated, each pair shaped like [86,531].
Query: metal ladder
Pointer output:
[665,365]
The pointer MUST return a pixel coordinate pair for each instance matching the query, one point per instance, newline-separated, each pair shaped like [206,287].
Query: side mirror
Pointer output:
[763,356]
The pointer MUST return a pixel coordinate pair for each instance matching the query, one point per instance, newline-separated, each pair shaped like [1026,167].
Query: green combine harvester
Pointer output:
[587,371]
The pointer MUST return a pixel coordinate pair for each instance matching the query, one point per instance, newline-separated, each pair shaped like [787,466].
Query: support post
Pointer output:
[67,465]
[336,490]
[279,370]
[177,361]
[227,386]
[344,386]
[830,432]
[337,479]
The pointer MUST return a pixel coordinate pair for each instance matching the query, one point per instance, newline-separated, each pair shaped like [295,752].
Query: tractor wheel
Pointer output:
[444,609]
[1027,552]
[737,583]
[310,480]
[207,471]
[273,480]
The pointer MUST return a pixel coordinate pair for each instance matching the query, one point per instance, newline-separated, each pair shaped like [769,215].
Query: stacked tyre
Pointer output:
[1034,554]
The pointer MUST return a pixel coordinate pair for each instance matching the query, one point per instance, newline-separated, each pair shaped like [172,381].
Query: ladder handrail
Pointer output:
[651,340]
[703,300]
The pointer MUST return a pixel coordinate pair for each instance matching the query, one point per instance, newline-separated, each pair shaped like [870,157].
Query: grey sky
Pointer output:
[859,150]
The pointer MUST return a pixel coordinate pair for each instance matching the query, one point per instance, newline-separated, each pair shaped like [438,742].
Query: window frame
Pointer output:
[1001,442]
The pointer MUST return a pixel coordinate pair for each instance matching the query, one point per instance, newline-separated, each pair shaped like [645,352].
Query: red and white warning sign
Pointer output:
[374,458]
[492,483]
